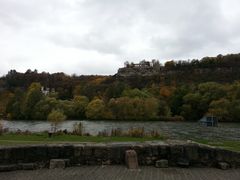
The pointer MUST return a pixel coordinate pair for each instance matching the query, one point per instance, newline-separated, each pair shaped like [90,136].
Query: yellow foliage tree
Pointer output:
[56,117]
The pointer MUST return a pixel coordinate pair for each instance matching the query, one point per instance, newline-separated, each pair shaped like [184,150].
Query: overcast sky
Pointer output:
[98,36]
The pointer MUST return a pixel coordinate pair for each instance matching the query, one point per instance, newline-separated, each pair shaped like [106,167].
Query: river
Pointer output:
[180,130]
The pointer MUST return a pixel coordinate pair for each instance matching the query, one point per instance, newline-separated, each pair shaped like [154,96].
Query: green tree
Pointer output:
[234,110]
[211,91]
[56,117]
[44,107]
[80,104]
[67,107]
[33,96]
[177,101]
[132,93]
[164,109]
[114,90]
[14,105]
[6,97]
[194,106]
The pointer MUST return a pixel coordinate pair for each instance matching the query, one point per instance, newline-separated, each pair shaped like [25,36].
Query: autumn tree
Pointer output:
[6,97]
[96,109]
[56,117]
[126,108]
[220,109]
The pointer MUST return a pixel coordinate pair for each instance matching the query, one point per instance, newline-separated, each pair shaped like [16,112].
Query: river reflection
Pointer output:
[181,130]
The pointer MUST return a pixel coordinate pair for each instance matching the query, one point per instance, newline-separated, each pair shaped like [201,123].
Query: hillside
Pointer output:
[176,90]
[220,69]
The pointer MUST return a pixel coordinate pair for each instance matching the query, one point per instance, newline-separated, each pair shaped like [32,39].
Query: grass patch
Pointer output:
[229,145]
[42,138]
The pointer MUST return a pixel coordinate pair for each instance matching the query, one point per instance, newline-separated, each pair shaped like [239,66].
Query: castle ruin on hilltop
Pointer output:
[143,68]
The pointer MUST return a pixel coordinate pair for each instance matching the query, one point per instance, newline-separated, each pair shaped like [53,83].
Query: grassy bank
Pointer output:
[230,145]
[39,138]
[42,138]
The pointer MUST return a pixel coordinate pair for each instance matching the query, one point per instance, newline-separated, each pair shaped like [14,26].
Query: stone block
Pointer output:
[131,159]
[11,167]
[27,166]
[58,163]
[148,151]
[155,150]
[78,150]
[176,150]
[207,155]
[87,151]
[183,162]
[117,154]
[30,154]
[148,161]
[54,151]
[163,151]
[163,163]
[191,152]
[6,153]
[101,152]
[107,162]
[67,151]
[223,165]
[41,152]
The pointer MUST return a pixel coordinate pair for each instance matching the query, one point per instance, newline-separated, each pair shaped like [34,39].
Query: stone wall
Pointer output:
[114,153]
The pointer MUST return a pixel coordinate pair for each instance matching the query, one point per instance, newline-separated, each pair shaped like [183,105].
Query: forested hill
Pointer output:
[60,82]
[147,90]
[222,69]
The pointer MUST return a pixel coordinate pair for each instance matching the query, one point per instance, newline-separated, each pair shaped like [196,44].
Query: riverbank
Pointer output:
[173,130]
[9,139]
[42,138]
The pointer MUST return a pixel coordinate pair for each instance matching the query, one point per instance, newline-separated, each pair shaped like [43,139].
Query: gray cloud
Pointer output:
[96,37]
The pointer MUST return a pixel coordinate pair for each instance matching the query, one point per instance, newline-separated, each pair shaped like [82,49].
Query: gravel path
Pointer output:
[121,173]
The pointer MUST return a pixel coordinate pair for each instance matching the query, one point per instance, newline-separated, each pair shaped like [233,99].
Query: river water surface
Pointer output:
[180,130]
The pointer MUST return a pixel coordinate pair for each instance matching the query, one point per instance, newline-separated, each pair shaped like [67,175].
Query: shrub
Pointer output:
[174,118]
[116,132]
[1,128]
[154,134]
[56,117]
[78,129]
[136,132]
[103,133]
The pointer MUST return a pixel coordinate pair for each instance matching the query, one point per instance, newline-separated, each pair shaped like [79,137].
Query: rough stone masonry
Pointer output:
[148,153]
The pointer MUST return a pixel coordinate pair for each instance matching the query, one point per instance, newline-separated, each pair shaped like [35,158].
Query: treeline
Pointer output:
[187,94]
[34,105]
[221,69]
[227,61]
[186,102]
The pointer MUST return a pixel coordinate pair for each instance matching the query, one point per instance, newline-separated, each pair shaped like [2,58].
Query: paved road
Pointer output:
[121,173]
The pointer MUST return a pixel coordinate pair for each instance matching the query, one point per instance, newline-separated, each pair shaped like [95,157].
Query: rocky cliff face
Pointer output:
[136,71]
[143,75]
